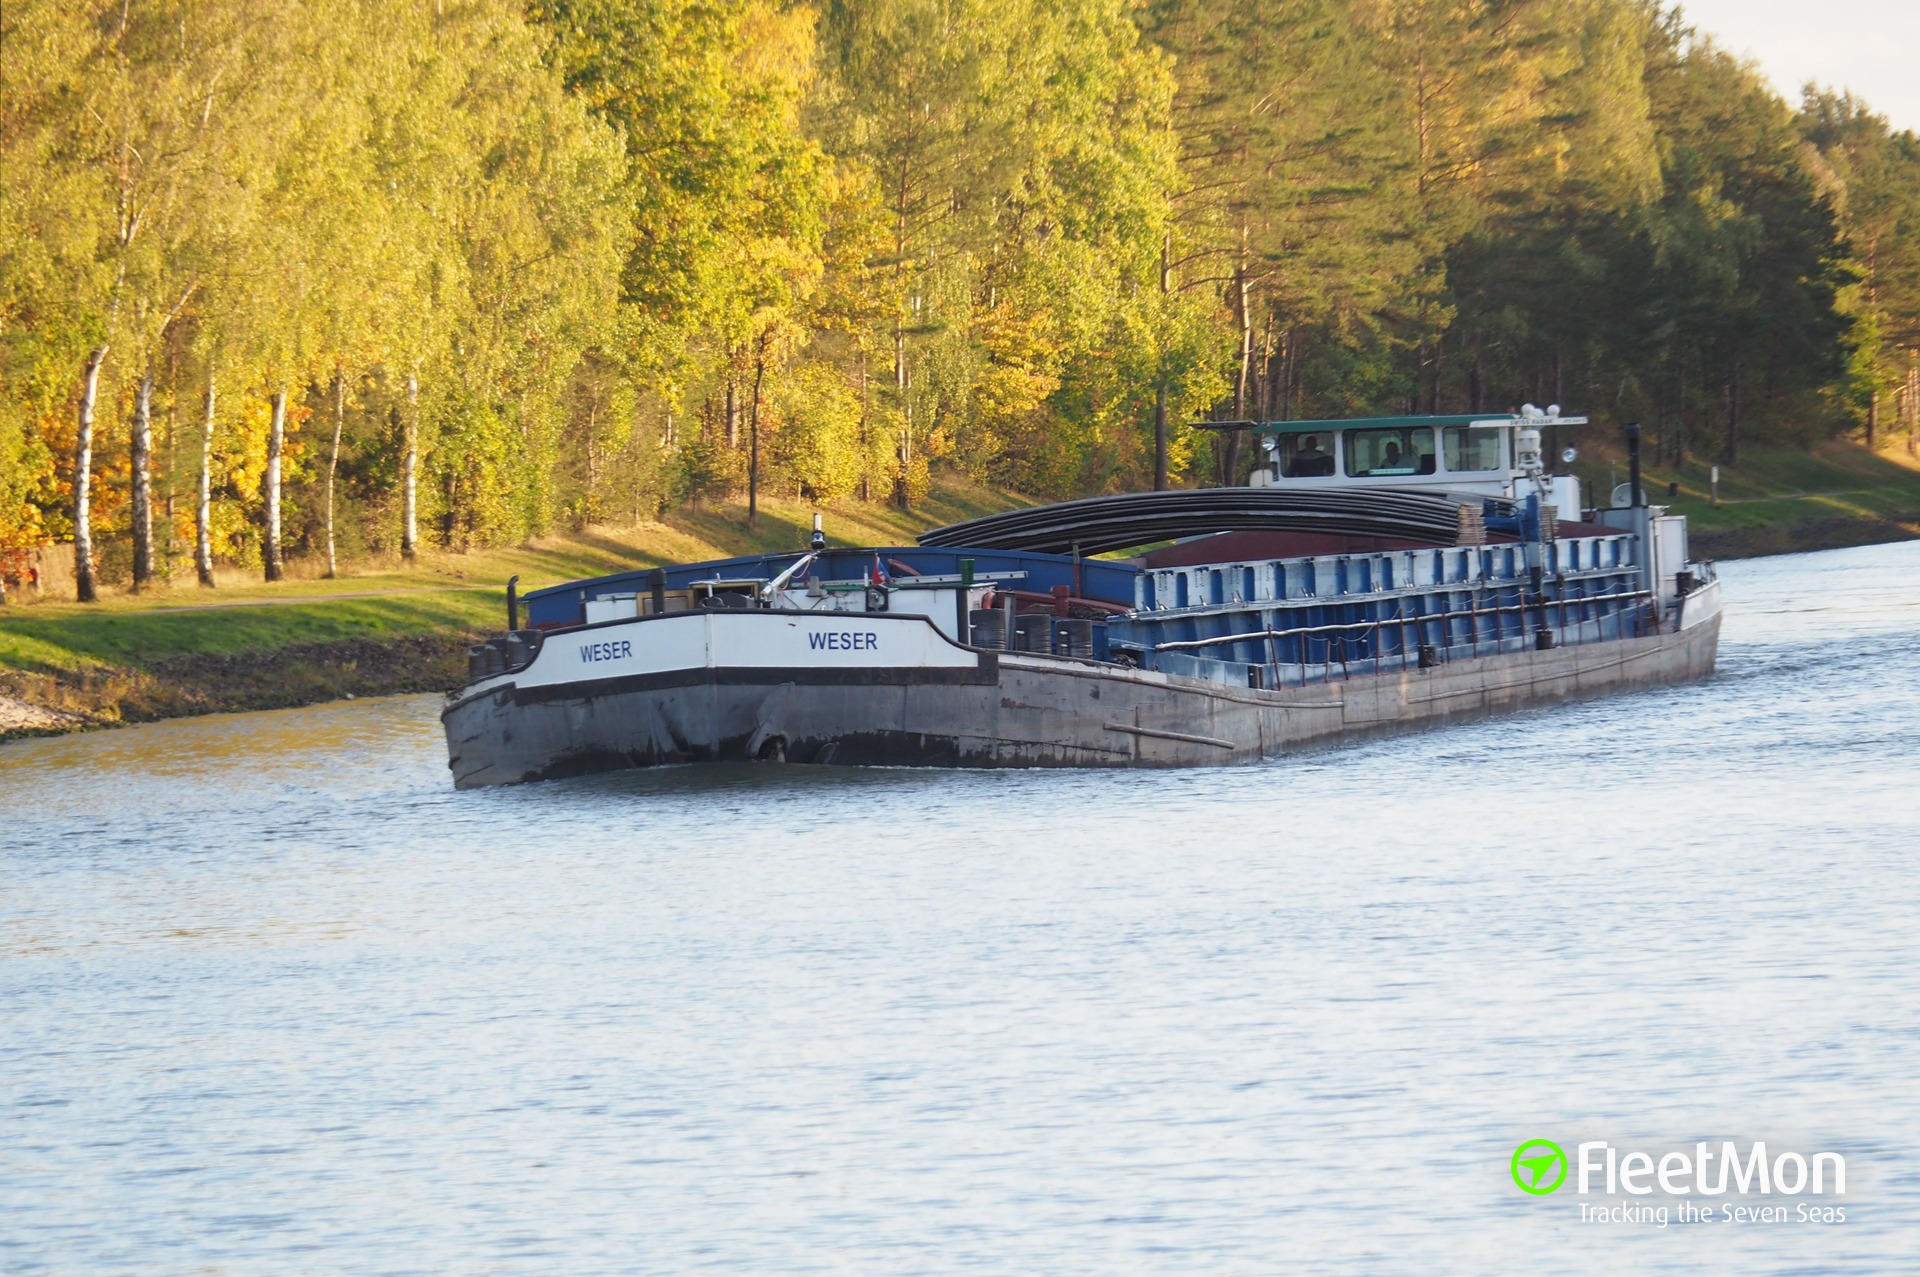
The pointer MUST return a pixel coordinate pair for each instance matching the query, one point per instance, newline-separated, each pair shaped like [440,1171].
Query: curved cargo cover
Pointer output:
[1097,525]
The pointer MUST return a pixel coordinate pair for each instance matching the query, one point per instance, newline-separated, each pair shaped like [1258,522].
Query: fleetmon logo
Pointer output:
[1539,1167]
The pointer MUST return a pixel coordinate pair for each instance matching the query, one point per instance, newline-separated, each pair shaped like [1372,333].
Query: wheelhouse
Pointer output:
[1474,453]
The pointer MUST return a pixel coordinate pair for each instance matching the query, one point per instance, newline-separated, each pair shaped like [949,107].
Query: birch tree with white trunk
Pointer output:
[203,497]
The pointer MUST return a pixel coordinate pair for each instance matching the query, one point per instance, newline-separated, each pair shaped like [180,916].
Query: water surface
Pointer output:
[275,999]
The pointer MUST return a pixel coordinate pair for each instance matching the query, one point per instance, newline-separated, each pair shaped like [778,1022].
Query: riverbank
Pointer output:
[63,672]
[384,627]
[380,628]
[1779,500]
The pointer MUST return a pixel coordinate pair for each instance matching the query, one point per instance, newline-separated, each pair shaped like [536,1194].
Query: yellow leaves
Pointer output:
[234,535]
[915,480]
[1022,364]
[22,526]
[1008,391]
[775,276]
[779,51]
[244,461]
[819,422]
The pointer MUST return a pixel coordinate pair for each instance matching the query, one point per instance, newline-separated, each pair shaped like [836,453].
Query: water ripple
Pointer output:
[278,1000]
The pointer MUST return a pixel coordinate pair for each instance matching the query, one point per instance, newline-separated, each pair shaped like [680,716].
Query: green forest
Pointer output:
[323,280]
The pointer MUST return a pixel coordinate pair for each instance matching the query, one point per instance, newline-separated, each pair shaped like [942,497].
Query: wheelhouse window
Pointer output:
[1402,450]
[1306,456]
[1473,447]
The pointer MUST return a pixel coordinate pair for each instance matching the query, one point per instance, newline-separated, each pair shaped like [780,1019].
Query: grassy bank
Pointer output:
[1781,500]
[64,666]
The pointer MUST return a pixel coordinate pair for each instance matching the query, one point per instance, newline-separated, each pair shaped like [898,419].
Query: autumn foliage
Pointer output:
[513,266]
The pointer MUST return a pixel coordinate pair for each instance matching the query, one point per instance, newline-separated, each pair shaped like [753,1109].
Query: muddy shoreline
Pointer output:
[1838,533]
[50,704]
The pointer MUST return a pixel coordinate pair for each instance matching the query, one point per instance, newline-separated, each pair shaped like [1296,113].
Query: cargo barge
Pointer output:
[1376,575]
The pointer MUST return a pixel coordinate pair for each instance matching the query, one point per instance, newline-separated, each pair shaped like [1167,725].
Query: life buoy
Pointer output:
[876,599]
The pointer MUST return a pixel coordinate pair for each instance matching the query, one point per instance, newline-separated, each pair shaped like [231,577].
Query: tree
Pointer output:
[585,256]
[1873,177]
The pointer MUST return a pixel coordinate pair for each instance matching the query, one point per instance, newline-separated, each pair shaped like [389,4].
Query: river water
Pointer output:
[275,999]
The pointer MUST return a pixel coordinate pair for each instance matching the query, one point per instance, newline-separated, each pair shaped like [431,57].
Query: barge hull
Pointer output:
[1011,710]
